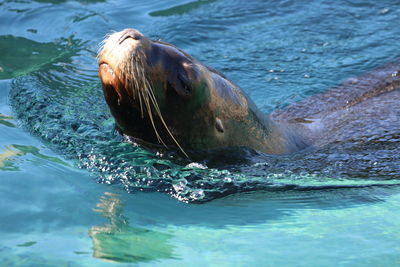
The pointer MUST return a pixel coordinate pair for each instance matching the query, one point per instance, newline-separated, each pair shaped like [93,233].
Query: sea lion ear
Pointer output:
[219,125]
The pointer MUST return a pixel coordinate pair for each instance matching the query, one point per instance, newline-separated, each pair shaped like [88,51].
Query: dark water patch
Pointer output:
[27,244]
[180,9]
[18,10]
[21,56]
[5,120]
[81,252]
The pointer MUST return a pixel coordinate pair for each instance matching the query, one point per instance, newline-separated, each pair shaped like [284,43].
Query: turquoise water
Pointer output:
[54,211]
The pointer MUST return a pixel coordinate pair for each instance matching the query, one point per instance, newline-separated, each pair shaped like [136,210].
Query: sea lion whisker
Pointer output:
[137,87]
[148,89]
[146,98]
[142,93]
[147,103]
[103,44]
[140,103]
[155,104]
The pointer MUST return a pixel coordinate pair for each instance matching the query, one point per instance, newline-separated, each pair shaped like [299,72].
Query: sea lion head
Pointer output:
[160,94]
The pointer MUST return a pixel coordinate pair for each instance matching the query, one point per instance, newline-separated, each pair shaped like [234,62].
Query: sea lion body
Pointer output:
[160,94]
[359,110]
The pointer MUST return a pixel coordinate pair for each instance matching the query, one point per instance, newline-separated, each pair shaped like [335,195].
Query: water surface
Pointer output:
[279,52]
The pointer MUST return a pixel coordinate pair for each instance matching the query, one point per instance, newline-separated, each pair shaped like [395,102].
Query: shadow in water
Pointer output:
[250,208]
[119,242]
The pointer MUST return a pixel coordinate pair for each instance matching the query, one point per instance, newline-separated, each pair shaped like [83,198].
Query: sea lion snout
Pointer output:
[119,47]
[130,34]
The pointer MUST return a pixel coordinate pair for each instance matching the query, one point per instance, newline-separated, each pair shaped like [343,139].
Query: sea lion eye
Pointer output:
[186,89]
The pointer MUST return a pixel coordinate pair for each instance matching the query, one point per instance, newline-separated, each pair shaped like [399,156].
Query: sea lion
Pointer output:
[160,94]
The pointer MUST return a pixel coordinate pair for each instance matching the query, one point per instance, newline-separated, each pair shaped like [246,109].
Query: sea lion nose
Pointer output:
[130,33]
